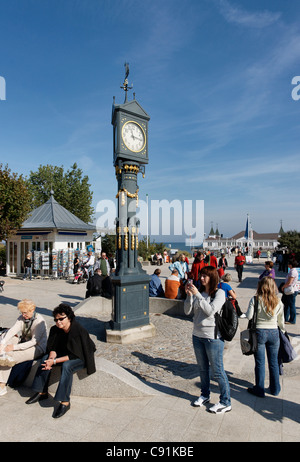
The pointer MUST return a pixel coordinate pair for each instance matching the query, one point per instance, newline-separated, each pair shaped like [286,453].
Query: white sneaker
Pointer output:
[3,391]
[200,401]
[219,408]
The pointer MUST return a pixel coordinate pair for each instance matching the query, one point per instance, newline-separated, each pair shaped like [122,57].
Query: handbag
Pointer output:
[289,290]
[248,337]
[286,352]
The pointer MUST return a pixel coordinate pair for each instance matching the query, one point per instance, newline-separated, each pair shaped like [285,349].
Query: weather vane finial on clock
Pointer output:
[125,86]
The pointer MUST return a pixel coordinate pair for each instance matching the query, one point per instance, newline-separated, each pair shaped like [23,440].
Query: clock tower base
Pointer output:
[125,337]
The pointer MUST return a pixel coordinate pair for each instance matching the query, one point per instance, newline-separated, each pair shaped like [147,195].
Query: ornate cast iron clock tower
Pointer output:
[131,282]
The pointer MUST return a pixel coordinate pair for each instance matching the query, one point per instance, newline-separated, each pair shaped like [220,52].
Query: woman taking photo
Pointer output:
[69,346]
[208,349]
[270,316]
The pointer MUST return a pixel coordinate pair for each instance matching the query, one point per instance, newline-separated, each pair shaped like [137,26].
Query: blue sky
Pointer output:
[215,76]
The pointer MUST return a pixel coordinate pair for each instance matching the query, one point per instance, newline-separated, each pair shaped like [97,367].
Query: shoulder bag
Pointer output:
[248,337]
[289,290]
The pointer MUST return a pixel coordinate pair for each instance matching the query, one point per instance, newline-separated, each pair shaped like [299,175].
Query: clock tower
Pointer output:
[130,281]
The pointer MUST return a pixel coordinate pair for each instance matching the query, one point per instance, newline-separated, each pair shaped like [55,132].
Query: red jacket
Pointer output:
[196,267]
[213,261]
[239,261]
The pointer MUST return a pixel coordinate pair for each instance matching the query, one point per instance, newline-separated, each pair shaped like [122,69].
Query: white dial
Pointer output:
[133,136]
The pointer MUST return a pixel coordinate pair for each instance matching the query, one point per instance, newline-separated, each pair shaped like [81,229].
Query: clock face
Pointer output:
[133,136]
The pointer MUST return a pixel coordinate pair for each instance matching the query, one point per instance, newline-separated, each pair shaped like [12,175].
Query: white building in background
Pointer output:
[264,241]
[50,229]
[247,238]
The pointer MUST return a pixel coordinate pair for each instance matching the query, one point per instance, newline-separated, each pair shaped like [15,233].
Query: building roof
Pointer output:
[257,236]
[241,235]
[54,216]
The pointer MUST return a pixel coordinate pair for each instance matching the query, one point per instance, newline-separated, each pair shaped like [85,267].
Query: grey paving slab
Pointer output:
[165,363]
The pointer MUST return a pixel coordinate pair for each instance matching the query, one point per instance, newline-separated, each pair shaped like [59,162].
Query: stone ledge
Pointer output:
[109,381]
[95,306]
[127,336]
[166,306]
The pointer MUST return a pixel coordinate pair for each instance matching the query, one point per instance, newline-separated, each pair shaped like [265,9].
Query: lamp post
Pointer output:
[147,218]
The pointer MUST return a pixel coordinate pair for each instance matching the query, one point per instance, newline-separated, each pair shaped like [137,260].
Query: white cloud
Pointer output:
[237,15]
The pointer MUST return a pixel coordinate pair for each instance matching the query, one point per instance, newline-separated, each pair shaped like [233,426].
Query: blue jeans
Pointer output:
[289,302]
[268,339]
[209,356]
[63,391]
[28,272]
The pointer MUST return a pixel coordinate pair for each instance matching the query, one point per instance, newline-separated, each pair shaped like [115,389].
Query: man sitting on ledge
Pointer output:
[94,285]
[172,286]
[155,286]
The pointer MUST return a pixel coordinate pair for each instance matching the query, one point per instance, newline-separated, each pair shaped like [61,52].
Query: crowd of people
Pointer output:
[96,272]
[204,287]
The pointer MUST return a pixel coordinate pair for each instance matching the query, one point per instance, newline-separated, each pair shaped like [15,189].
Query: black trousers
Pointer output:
[239,269]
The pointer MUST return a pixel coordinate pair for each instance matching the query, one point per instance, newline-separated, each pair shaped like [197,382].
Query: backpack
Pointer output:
[226,321]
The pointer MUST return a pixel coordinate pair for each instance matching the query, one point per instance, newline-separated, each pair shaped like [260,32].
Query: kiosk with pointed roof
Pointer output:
[48,227]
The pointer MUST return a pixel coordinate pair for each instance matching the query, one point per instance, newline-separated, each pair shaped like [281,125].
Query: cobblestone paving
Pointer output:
[167,357]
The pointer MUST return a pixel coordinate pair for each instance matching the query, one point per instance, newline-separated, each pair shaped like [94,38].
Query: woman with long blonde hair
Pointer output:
[270,316]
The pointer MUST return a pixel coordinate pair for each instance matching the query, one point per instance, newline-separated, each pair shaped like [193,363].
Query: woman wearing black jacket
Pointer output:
[70,346]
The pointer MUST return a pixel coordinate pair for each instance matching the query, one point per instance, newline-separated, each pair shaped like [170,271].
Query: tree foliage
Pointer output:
[153,247]
[291,240]
[14,201]
[71,189]
[108,244]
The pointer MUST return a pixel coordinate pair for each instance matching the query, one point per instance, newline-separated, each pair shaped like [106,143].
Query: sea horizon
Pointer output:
[178,246]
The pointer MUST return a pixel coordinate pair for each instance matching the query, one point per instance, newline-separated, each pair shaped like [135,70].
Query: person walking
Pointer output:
[269,317]
[27,267]
[239,262]
[208,347]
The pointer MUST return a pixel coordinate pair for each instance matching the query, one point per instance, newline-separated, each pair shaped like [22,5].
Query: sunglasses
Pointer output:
[60,319]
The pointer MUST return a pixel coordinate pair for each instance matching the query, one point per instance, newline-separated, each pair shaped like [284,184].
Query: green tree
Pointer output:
[153,247]
[14,201]
[291,240]
[108,244]
[71,189]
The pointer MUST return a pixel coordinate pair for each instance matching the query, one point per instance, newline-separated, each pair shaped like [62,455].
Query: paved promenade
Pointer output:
[167,364]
